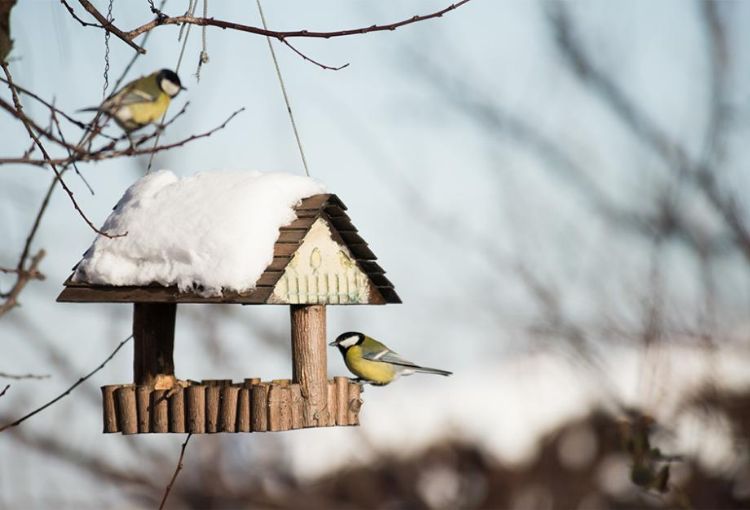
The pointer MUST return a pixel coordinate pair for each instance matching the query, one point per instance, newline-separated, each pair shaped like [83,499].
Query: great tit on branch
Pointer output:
[375,363]
[143,101]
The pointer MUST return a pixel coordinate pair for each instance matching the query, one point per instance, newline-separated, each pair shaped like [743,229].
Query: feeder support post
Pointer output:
[309,361]
[153,336]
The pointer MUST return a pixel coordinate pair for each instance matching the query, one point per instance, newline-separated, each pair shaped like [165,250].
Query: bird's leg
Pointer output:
[130,141]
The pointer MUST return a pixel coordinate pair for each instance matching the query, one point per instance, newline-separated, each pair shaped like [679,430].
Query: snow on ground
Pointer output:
[213,230]
[508,407]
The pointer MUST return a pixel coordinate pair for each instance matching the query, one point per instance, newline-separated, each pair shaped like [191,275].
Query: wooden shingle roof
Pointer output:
[324,206]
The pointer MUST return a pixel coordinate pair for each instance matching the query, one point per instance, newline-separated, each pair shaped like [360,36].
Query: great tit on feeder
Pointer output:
[143,101]
[373,362]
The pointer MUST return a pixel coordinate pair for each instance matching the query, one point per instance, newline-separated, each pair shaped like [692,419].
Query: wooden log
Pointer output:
[159,411]
[213,397]
[243,410]
[285,405]
[274,407]
[127,412]
[342,400]
[259,405]
[309,361]
[195,409]
[297,404]
[143,404]
[228,414]
[280,407]
[331,404]
[355,403]
[153,343]
[109,409]
[217,382]
[177,410]
[252,381]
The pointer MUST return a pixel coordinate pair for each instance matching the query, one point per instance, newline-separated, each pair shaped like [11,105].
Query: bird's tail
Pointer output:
[427,370]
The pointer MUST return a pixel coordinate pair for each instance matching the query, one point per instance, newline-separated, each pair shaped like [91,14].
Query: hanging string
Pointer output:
[190,12]
[106,52]
[283,90]
[203,59]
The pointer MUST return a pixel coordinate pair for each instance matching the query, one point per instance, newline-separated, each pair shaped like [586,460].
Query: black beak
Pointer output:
[333,344]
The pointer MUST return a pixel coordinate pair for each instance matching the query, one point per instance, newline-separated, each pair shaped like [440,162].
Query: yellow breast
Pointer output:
[376,372]
[147,113]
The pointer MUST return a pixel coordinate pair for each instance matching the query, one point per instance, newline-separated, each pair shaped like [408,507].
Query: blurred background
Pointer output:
[556,189]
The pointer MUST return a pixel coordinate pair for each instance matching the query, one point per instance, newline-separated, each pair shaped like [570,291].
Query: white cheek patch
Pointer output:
[170,88]
[349,341]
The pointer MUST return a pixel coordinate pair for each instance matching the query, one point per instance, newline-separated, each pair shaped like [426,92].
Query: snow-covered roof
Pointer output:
[243,237]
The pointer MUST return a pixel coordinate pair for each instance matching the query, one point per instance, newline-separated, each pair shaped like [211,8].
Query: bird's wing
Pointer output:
[388,356]
[128,97]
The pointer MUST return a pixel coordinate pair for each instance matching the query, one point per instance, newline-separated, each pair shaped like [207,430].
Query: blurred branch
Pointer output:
[676,157]
[68,391]
[4,390]
[665,219]
[4,375]
[23,276]
[176,472]
[93,464]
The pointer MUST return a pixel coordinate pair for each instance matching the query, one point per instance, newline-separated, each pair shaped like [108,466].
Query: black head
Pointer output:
[169,82]
[349,339]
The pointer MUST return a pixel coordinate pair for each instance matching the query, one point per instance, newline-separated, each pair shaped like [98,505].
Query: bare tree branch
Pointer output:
[109,26]
[68,391]
[4,390]
[48,159]
[281,35]
[109,152]
[176,472]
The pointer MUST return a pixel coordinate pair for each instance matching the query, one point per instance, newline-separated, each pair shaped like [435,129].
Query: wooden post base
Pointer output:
[214,406]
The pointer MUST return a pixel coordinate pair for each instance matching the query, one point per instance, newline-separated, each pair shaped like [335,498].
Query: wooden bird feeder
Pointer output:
[319,259]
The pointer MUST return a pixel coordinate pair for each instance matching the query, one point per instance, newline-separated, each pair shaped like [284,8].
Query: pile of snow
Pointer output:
[210,231]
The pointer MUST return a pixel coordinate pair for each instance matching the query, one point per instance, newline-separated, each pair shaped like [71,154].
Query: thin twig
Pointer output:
[29,129]
[31,94]
[79,20]
[48,134]
[305,57]
[108,25]
[4,390]
[109,153]
[69,390]
[5,375]
[70,152]
[176,472]
[177,20]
